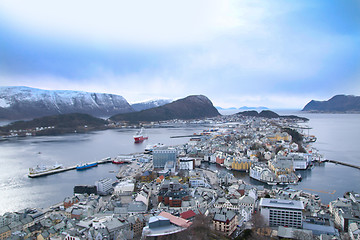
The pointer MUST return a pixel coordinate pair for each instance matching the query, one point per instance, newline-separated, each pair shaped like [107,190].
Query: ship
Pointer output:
[149,148]
[139,136]
[43,169]
[86,166]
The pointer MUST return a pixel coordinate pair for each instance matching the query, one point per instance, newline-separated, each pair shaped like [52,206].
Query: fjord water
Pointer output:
[337,139]
[18,155]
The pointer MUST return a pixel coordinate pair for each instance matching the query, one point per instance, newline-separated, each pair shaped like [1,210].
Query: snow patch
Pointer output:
[4,103]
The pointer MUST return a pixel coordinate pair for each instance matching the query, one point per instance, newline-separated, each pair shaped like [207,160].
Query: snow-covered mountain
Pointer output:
[26,103]
[150,104]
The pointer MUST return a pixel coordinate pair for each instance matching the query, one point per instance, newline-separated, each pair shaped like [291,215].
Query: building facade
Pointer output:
[279,212]
[162,156]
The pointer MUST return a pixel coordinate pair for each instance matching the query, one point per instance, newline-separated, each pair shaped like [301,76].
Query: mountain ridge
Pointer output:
[26,103]
[150,104]
[191,107]
[337,104]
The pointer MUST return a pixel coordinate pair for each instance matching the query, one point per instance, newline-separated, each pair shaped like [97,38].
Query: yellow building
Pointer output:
[241,164]
[280,136]
[5,232]
[281,167]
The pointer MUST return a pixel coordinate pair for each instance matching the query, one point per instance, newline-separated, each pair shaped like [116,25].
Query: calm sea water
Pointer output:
[18,155]
[337,136]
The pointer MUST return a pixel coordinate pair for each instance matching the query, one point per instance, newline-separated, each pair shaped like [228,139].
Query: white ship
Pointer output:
[149,148]
[42,169]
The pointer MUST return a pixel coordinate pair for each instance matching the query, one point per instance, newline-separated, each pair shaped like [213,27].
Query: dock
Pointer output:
[343,163]
[65,169]
[193,135]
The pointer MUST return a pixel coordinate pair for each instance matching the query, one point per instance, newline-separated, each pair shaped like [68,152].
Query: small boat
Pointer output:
[271,183]
[118,161]
[299,177]
[86,166]
[139,136]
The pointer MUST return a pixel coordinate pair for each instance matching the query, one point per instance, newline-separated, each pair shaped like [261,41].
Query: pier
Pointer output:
[193,135]
[343,163]
[64,169]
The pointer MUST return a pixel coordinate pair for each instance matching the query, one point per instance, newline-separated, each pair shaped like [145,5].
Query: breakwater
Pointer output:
[343,163]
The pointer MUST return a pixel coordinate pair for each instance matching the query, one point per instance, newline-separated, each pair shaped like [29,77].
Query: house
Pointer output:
[225,221]
[188,215]
[69,201]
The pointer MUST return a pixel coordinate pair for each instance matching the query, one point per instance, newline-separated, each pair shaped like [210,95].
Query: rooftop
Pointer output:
[281,203]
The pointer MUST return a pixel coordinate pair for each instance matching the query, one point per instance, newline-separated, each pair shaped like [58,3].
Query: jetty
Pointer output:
[342,163]
[193,135]
[65,169]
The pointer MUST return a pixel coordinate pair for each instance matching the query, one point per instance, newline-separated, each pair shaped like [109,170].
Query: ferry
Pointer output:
[43,169]
[86,166]
[139,137]
[149,148]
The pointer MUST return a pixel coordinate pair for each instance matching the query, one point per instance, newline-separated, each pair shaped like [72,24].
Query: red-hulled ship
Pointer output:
[139,137]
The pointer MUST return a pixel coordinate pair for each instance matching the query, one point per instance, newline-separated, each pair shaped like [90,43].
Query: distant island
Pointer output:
[54,125]
[270,114]
[191,107]
[244,108]
[336,104]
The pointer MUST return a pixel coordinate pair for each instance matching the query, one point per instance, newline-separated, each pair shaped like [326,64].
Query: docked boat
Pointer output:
[86,166]
[118,161]
[149,148]
[139,136]
[41,169]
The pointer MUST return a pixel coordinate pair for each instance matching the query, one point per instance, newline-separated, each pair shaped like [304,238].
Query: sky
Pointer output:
[277,54]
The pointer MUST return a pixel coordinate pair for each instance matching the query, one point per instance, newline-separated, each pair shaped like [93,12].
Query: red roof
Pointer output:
[176,220]
[188,214]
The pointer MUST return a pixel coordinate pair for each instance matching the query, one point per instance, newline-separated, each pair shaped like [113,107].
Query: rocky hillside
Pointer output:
[56,124]
[27,103]
[191,107]
[338,103]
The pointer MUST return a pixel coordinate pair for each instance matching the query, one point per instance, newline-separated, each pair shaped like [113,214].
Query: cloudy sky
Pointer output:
[279,53]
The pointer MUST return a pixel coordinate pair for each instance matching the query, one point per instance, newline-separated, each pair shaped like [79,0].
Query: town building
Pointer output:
[104,186]
[279,212]
[162,156]
[225,221]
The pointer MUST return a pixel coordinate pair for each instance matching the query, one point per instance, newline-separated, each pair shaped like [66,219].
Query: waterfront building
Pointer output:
[261,172]
[104,186]
[162,156]
[242,164]
[279,212]
[299,161]
[281,166]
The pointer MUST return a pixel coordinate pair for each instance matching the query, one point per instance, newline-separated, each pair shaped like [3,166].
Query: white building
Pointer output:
[186,163]
[104,186]
[279,212]
[124,188]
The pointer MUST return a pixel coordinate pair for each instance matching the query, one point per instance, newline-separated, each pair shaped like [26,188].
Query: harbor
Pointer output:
[64,169]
